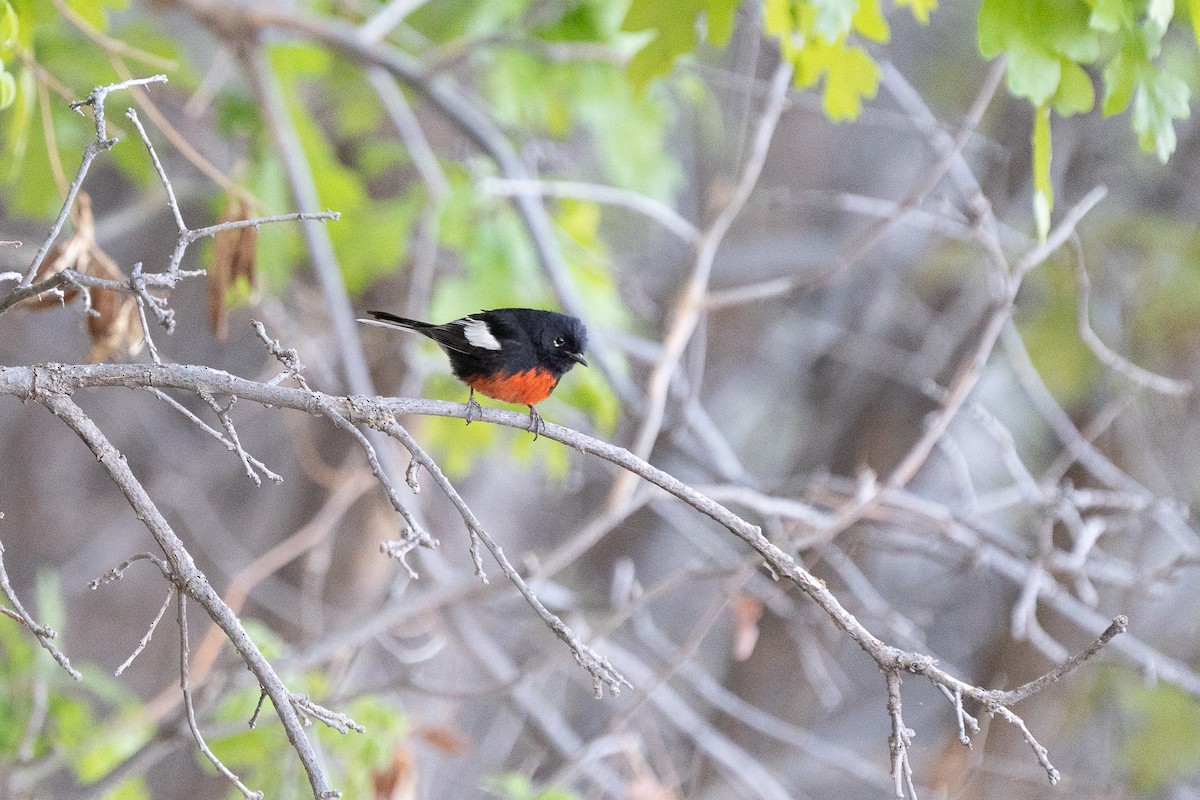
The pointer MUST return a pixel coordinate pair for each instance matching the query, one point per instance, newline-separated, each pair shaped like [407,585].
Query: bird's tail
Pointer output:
[385,320]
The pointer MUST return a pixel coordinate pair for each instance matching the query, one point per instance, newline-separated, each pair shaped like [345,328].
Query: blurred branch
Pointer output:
[1111,359]
[970,369]
[648,207]
[950,159]
[186,688]
[689,305]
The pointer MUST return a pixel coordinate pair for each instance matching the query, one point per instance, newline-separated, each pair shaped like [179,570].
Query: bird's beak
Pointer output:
[578,358]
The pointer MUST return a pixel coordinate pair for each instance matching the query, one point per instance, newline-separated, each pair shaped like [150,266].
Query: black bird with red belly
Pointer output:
[517,355]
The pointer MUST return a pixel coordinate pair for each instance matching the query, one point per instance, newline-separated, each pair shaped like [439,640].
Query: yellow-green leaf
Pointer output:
[1075,94]
[8,89]
[868,20]
[8,26]
[851,74]
[921,9]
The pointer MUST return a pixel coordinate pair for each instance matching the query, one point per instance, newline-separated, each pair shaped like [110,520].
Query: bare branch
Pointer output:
[204,426]
[288,357]
[334,719]
[602,673]
[118,572]
[1119,625]
[899,740]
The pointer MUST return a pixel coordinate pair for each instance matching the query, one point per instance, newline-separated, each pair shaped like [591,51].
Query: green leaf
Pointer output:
[921,9]
[1164,745]
[1038,36]
[510,786]
[1033,73]
[1193,7]
[1120,79]
[1109,16]
[674,28]
[1158,15]
[852,75]
[1159,99]
[1043,191]
[993,28]
[720,17]
[1075,94]
[1047,322]
[95,11]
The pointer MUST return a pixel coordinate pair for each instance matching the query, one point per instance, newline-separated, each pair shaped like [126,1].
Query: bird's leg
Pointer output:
[473,407]
[535,422]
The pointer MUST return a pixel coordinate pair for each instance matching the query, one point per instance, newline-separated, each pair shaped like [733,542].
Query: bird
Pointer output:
[517,355]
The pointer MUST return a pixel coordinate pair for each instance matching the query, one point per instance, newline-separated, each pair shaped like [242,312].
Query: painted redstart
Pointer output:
[516,355]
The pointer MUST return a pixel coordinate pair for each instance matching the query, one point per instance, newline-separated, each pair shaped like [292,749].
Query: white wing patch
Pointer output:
[478,334]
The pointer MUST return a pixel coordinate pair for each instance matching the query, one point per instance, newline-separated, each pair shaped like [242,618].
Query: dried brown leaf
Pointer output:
[114,326]
[399,780]
[446,739]
[747,611]
[233,258]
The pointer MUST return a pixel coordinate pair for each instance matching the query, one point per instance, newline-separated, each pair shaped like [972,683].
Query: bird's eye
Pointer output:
[559,342]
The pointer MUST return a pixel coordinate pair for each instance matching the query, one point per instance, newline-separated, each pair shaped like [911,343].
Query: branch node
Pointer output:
[340,722]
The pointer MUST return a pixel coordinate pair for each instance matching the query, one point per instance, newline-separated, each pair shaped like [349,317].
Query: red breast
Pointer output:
[526,388]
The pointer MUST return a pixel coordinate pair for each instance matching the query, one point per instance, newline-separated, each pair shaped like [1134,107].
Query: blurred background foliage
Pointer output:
[590,90]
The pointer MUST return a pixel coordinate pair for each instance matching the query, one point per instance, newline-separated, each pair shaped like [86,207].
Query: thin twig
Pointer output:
[602,672]
[145,640]
[899,740]
[230,431]
[185,686]
[118,572]
[43,633]
[414,532]
[204,426]
[1119,625]
[158,167]
[93,149]
[287,356]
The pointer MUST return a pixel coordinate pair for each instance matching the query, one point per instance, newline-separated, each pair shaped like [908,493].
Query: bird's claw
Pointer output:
[474,410]
[535,422]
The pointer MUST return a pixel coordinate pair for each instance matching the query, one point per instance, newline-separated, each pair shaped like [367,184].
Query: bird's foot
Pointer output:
[535,422]
[474,410]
